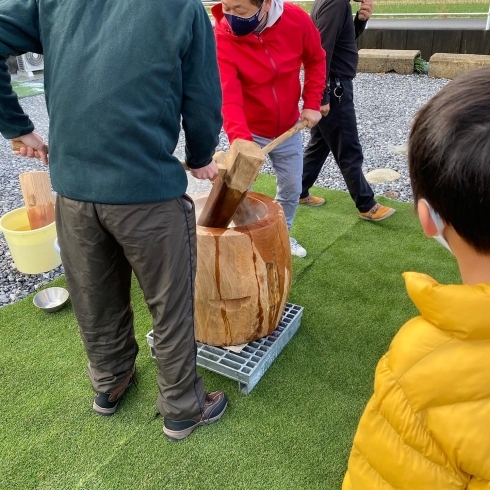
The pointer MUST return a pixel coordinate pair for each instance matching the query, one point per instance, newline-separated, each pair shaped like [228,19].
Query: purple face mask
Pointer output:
[241,26]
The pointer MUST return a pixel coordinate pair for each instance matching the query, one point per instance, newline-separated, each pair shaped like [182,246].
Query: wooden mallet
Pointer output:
[38,198]
[37,194]
[238,169]
[242,163]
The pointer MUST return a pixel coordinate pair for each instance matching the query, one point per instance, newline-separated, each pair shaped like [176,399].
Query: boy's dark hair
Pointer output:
[257,3]
[449,156]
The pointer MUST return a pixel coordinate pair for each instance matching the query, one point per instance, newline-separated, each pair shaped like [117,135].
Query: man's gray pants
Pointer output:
[101,245]
[287,162]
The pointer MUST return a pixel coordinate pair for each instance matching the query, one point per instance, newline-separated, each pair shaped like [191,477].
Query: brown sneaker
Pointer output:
[377,213]
[107,403]
[214,408]
[312,201]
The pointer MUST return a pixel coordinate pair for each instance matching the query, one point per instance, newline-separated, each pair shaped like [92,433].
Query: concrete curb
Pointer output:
[449,65]
[385,60]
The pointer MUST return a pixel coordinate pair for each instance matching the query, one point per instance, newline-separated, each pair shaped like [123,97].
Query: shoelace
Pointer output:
[373,210]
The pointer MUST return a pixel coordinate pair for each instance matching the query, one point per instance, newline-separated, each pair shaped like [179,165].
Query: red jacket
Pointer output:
[260,74]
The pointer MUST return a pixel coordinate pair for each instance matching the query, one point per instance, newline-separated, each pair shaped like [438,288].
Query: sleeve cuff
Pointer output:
[13,134]
[312,106]
[193,164]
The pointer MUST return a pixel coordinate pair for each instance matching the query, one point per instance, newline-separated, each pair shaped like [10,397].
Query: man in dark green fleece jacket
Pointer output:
[118,78]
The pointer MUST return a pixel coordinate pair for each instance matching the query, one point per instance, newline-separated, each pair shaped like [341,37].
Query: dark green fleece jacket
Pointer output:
[118,76]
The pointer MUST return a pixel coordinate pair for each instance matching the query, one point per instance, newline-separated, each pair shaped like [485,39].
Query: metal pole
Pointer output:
[488,20]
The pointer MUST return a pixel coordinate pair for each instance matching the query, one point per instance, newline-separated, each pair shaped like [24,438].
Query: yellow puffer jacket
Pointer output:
[427,426]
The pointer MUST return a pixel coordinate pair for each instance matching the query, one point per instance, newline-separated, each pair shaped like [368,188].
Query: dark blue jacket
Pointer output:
[118,76]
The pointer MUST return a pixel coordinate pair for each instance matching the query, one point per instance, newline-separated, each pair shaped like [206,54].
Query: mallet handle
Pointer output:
[17,145]
[281,139]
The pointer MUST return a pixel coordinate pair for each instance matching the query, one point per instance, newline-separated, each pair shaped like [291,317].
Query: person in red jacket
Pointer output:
[261,46]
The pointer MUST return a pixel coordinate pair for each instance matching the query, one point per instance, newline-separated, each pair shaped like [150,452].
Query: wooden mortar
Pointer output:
[243,276]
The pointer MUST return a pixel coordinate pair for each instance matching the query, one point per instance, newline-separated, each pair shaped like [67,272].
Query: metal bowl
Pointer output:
[51,299]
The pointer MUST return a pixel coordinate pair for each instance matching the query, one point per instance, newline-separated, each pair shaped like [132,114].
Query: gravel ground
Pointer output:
[385,106]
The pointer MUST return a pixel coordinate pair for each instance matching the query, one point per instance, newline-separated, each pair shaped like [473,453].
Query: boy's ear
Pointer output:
[428,225]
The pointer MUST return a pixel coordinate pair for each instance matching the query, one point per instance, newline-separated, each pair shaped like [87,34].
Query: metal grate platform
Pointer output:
[250,365]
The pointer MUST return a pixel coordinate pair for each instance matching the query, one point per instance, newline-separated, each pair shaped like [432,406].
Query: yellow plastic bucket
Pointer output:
[32,250]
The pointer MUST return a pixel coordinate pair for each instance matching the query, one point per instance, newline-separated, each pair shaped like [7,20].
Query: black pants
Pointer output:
[337,133]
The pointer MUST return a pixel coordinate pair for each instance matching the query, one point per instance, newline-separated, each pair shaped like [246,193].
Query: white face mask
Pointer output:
[439,225]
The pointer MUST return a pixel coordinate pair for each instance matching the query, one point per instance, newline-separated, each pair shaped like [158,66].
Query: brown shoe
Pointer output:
[107,403]
[377,213]
[214,408]
[312,201]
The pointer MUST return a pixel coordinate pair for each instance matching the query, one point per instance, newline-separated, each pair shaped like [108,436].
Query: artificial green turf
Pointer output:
[294,430]
[27,88]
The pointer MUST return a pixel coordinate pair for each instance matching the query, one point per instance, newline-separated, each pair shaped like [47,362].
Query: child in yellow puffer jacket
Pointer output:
[427,425]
